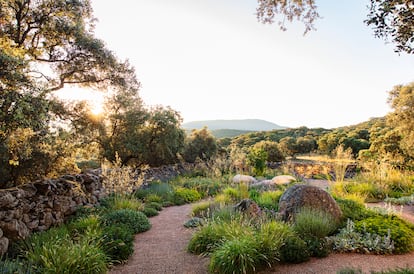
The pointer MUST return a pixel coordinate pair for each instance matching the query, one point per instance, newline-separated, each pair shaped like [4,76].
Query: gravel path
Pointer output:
[162,249]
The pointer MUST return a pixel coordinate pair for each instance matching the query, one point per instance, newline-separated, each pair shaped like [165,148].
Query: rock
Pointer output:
[15,229]
[239,178]
[248,206]
[4,245]
[194,222]
[7,200]
[299,196]
[283,179]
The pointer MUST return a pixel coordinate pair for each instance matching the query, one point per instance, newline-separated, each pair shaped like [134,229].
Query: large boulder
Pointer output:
[239,178]
[283,179]
[299,196]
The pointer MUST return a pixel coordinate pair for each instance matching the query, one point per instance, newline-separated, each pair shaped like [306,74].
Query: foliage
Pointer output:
[116,201]
[294,250]
[135,220]
[269,199]
[118,242]
[313,223]
[236,256]
[271,236]
[257,159]
[401,99]
[194,222]
[353,210]
[272,149]
[15,267]
[154,205]
[401,232]
[119,179]
[206,186]
[405,200]
[392,19]
[200,144]
[184,195]
[163,192]
[54,252]
[150,211]
[349,240]
[46,46]
[304,11]
[342,159]
[203,209]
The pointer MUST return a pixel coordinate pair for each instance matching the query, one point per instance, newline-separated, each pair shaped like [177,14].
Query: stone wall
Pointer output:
[39,205]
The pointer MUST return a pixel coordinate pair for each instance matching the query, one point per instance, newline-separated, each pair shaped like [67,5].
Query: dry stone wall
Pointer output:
[39,205]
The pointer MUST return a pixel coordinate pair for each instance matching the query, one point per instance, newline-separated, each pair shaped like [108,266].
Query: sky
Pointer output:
[212,59]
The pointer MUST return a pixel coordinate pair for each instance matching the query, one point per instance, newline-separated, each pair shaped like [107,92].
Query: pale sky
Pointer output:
[211,59]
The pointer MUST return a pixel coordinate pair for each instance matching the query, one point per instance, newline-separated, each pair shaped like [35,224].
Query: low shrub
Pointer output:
[206,239]
[194,222]
[89,227]
[353,210]
[223,199]
[237,256]
[313,223]
[153,198]
[185,195]
[135,220]
[150,211]
[404,200]
[401,232]
[154,205]
[349,240]
[207,187]
[318,247]
[294,250]
[117,242]
[232,193]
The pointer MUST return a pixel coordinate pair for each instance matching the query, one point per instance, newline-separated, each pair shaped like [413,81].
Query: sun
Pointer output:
[96,108]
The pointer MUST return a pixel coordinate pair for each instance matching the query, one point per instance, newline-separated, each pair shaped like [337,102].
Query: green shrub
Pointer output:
[117,242]
[270,237]
[294,250]
[232,193]
[237,256]
[353,210]
[135,220]
[118,201]
[318,247]
[89,227]
[150,211]
[349,240]
[314,223]
[225,214]
[404,200]
[184,195]
[400,231]
[154,205]
[194,222]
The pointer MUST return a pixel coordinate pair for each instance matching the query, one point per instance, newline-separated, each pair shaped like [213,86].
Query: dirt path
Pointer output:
[162,249]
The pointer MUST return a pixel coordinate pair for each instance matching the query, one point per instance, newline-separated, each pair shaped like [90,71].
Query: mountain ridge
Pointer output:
[233,124]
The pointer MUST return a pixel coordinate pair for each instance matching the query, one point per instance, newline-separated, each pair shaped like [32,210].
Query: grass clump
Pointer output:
[240,255]
[118,242]
[150,211]
[314,223]
[294,250]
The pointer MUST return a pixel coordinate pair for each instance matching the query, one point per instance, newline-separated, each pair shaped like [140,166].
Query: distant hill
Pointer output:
[243,125]
[228,133]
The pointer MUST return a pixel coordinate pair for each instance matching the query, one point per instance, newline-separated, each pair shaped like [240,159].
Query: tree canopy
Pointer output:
[390,19]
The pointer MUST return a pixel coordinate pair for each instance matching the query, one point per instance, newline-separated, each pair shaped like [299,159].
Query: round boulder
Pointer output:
[283,179]
[239,178]
[313,197]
